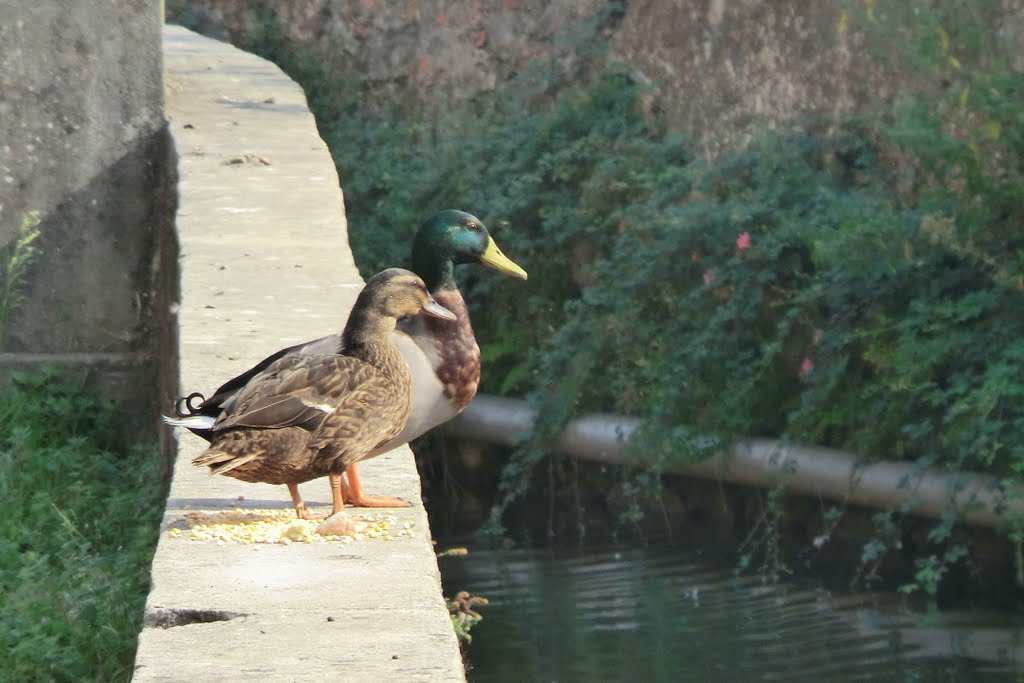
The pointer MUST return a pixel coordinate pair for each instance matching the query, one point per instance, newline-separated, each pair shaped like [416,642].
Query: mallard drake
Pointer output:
[443,356]
[306,416]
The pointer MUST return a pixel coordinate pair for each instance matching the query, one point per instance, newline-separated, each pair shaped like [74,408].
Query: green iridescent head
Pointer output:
[453,237]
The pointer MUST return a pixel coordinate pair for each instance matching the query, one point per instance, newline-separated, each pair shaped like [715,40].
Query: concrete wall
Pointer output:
[83,141]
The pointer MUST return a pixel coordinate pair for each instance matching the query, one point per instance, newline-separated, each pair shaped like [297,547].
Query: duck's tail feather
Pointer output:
[221,462]
[237,461]
[183,406]
[191,421]
[211,457]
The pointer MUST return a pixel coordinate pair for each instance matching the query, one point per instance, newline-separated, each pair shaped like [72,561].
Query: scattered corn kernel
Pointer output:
[277,526]
[298,531]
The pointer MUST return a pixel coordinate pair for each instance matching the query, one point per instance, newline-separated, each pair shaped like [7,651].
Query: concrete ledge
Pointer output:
[265,263]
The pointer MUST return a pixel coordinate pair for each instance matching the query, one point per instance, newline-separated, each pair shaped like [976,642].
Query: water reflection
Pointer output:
[664,615]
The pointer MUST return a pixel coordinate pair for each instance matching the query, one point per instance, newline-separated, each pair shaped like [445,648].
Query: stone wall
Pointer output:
[715,66]
[84,143]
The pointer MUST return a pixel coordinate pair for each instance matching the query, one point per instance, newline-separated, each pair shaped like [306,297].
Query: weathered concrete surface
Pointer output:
[265,263]
[83,142]
[81,86]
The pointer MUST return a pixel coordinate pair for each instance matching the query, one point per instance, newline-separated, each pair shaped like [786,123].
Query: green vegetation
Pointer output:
[14,260]
[76,544]
[861,289]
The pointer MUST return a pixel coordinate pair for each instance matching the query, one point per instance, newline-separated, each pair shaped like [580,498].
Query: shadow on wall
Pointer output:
[97,296]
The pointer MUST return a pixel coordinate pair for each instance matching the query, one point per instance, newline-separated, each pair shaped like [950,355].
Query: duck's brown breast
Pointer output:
[458,368]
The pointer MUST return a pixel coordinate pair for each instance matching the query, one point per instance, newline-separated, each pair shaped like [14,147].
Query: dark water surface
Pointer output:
[653,615]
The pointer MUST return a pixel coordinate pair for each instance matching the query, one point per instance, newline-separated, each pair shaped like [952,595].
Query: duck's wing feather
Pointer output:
[223,397]
[297,391]
[364,418]
[360,415]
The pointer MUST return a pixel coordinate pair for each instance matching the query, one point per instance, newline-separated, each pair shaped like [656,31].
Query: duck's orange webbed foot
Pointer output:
[359,498]
[339,493]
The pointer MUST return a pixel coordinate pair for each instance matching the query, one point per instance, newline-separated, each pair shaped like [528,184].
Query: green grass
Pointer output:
[81,520]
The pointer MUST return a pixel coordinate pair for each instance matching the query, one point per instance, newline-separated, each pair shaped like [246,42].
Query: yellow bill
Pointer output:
[495,259]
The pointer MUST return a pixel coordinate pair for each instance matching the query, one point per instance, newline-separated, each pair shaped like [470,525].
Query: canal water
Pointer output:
[659,615]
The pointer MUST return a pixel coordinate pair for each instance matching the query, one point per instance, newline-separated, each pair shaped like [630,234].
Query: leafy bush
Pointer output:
[75,549]
[860,290]
[786,289]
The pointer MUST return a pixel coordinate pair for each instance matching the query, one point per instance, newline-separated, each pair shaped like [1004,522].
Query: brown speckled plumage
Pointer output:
[280,433]
[307,416]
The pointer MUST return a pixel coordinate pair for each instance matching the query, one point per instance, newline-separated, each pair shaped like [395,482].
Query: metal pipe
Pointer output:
[977,499]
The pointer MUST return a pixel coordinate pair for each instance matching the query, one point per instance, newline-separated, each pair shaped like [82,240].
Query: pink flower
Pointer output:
[709,277]
[743,241]
[806,365]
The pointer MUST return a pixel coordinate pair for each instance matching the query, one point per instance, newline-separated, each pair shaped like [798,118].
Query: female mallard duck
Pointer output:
[443,356]
[306,416]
